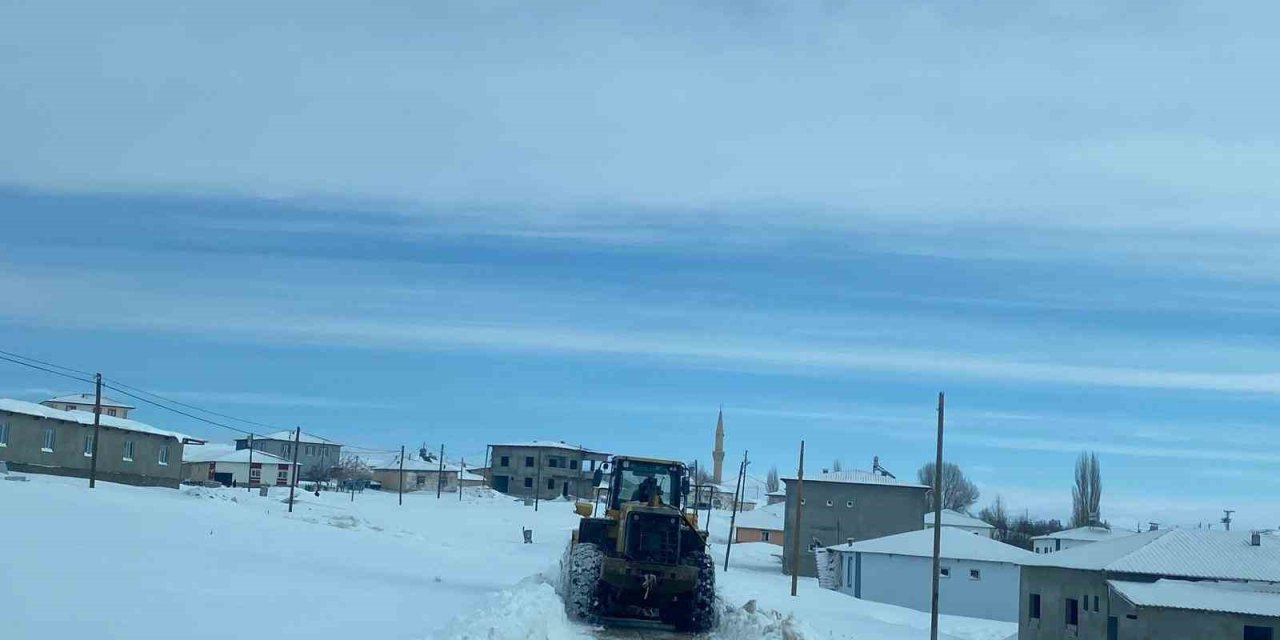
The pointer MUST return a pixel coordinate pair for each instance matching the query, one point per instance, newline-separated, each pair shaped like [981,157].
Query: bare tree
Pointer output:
[836,466]
[1086,496]
[352,468]
[771,481]
[958,492]
[997,516]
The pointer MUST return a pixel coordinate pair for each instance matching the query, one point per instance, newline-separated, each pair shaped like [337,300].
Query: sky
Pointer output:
[470,222]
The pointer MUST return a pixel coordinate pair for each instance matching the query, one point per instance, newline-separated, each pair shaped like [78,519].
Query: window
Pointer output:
[504,461]
[551,484]
[528,461]
[164,454]
[849,504]
[764,536]
[1033,607]
[528,483]
[287,450]
[1095,604]
[975,574]
[802,502]
[593,465]
[128,451]
[1073,612]
[71,407]
[573,464]
[553,462]
[419,479]
[830,503]
[111,412]
[46,444]
[311,449]
[282,477]
[944,572]
[255,473]
[88,445]
[4,434]
[1258,633]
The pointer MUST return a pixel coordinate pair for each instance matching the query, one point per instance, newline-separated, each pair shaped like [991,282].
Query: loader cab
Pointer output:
[632,478]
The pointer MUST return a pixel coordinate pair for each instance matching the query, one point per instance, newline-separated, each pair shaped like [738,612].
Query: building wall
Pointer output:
[982,531]
[547,481]
[1050,545]
[24,452]
[878,510]
[415,480]
[199,472]
[747,534]
[907,581]
[312,458]
[119,412]
[1158,624]
[1054,586]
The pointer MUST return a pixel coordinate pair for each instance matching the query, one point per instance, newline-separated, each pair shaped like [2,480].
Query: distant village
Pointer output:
[865,533]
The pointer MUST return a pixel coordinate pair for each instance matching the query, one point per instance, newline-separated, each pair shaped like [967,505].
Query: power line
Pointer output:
[48,364]
[36,366]
[201,409]
[179,411]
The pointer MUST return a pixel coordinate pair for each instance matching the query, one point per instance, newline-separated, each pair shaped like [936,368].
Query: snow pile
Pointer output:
[749,621]
[530,610]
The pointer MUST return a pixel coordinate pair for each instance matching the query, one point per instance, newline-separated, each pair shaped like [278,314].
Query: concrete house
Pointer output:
[774,497]
[420,475]
[316,455]
[544,468]
[1173,583]
[962,522]
[765,524]
[235,467]
[85,402]
[849,504]
[978,576]
[36,438]
[1070,538]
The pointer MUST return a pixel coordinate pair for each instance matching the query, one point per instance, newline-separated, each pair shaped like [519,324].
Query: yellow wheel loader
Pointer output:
[645,559]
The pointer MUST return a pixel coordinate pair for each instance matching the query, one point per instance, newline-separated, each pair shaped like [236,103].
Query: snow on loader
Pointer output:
[645,559]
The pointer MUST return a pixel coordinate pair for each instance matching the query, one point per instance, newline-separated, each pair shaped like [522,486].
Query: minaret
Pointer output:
[718,454]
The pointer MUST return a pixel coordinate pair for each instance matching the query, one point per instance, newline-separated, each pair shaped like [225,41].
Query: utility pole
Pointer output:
[462,465]
[440,474]
[297,437]
[937,525]
[97,417]
[400,483]
[488,465]
[795,525]
[737,500]
[1226,518]
[537,484]
[249,483]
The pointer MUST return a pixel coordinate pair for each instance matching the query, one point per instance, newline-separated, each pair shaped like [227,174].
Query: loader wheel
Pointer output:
[582,583]
[698,612]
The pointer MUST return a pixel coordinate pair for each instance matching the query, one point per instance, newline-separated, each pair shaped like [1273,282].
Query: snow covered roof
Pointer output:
[82,417]
[780,493]
[771,518]
[219,453]
[956,519]
[549,444]
[856,476]
[956,545]
[1085,534]
[88,398]
[287,436]
[414,463]
[1183,553]
[1226,597]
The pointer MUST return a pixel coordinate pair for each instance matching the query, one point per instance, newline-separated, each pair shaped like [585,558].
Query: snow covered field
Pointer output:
[138,563]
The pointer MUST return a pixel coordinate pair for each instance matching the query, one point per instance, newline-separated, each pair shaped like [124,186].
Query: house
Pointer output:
[718,496]
[956,520]
[854,504]
[36,438]
[544,468]
[420,475]
[1060,540]
[316,456]
[776,496]
[85,402]
[978,577]
[235,467]
[1172,583]
[765,524]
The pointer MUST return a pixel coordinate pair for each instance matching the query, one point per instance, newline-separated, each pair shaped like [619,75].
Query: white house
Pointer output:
[215,463]
[957,520]
[1074,538]
[978,576]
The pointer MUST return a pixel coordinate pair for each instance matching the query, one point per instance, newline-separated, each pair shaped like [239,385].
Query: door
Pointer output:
[1113,628]
[564,493]
[501,484]
[224,478]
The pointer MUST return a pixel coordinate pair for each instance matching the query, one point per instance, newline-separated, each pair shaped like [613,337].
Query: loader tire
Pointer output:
[582,583]
[698,612]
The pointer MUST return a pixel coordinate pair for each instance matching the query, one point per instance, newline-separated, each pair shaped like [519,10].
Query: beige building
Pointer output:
[85,402]
[962,522]
[420,475]
[235,467]
[765,524]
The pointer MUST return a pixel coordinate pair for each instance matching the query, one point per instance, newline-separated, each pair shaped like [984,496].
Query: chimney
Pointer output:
[849,541]
[1255,539]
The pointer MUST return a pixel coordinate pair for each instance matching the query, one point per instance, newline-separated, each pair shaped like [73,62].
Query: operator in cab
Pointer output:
[647,491]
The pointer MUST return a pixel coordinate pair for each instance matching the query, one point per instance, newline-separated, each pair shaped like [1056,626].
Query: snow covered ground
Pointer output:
[138,563]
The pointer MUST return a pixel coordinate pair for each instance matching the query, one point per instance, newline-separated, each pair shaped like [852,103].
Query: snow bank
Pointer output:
[531,610]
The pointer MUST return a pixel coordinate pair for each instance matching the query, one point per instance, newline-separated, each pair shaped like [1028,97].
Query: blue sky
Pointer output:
[483,221]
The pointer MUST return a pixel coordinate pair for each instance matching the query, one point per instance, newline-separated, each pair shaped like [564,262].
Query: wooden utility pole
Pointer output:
[488,465]
[937,526]
[795,525]
[297,437]
[462,466]
[737,500]
[97,418]
[249,483]
[440,474]
[400,482]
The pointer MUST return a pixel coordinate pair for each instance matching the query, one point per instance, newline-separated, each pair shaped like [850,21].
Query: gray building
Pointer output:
[547,469]
[849,504]
[39,439]
[316,456]
[1174,583]
[86,401]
